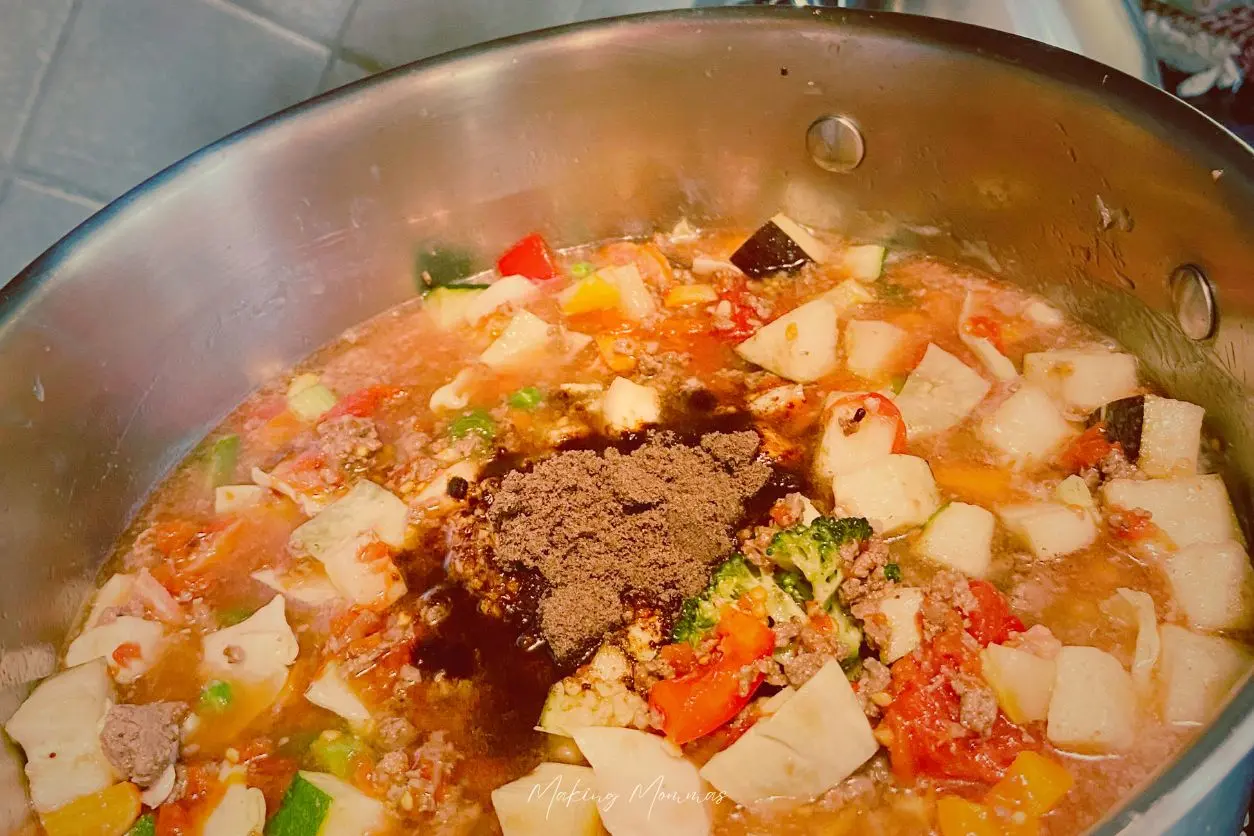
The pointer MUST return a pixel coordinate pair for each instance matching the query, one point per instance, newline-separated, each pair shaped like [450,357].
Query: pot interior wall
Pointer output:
[133,337]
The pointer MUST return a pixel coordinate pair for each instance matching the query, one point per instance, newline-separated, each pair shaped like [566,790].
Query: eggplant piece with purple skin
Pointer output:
[1124,420]
[778,246]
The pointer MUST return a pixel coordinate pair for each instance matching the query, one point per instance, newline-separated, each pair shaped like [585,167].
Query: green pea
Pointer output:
[527,399]
[476,421]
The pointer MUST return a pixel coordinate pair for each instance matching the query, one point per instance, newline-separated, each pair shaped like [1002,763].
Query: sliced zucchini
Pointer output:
[898,614]
[863,262]
[842,449]
[893,492]
[448,306]
[507,291]
[554,799]
[258,649]
[939,393]
[351,812]
[1170,437]
[1050,529]
[523,341]
[1190,509]
[1022,681]
[1026,428]
[959,536]
[1123,421]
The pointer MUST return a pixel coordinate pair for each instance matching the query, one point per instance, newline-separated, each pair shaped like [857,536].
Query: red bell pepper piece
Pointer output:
[697,703]
[879,405]
[530,257]
[986,327]
[363,403]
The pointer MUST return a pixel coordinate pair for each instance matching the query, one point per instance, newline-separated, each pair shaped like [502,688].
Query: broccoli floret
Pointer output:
[814,550]
[795,584]
[732,579]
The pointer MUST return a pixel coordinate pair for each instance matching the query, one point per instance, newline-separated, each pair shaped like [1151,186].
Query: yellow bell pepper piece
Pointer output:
[110,812]
[690,294]
[1033,785]
[959,817]
[975,483]
[592,293]
[617,360]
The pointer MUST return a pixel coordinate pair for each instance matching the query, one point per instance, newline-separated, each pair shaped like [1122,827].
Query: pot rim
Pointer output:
[1229,738]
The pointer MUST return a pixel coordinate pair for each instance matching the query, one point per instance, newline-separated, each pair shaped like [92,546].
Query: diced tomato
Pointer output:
[1131,525]
[373,550]
[680,656]
[174,538]
[697,703]
[986,327]
[991,622]
[742,316]
[1088,448]
[126,653]
[877,404]
[271,774]
[363,403]
[530,257]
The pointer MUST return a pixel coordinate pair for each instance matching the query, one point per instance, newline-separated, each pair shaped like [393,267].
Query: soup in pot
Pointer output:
[720,532]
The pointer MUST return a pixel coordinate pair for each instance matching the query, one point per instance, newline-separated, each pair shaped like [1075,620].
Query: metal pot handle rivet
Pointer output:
[835,143]
[1194,303]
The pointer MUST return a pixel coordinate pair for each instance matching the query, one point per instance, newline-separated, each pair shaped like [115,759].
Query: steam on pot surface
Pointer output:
[723,531]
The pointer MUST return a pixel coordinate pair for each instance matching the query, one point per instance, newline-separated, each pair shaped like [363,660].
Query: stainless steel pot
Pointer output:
[134,335]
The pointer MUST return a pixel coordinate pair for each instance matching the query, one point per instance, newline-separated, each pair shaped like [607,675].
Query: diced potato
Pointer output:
[110,812]
[1093,708]
[1191,509]
[656,789]
[263,646]
[305,588]
[1214,585]
[873,349]
[240,812]
[840,453]
[898,613]
[506,291]
[1196,673]
[523,341]
[1171,436]
[893,492]
[1082,379]
[629,407]
[1022,681]
[447,306]
[330,690]
[58,727]
[145,640]
[337,535]
[555,799]
[939,393]
[1042,313]
[800,345]
[229,499]
[815,740]
[1074,491]
[1050,529]
[114,593]
[848,294]
[959,536]
[352,812]
[1027,427]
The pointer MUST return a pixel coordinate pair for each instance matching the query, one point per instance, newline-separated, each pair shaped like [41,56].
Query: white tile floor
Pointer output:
[98,95]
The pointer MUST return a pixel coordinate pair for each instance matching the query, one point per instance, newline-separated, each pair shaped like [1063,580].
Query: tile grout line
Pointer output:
[70,192]
[265,23]
[337,43]
[35,98]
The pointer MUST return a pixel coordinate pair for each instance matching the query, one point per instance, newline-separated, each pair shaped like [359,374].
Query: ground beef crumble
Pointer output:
[142,741]
[349,441]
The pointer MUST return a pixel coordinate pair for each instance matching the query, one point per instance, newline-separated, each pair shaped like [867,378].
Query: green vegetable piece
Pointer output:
[892,572]
[337,753]
[732,579]
[441,267]
[215,697]
[527,399]
[233,615]
[223,453]
[894,294]
[814,550]
[476,421]
[582,268]
[145,825]
[302,812]
[308,398]
[795,584]
[897,383]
